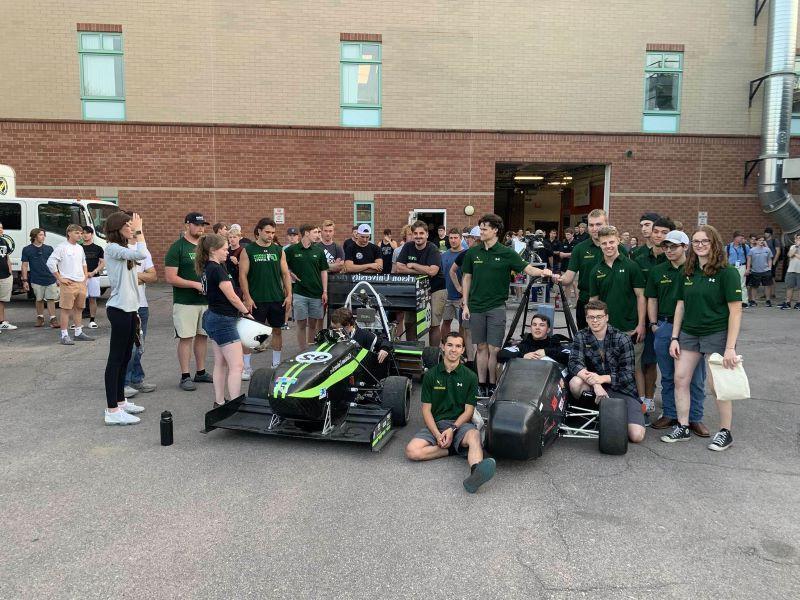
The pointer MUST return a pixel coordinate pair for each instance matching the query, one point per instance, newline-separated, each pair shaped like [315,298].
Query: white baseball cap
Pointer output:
[475,232]
[364,229]
[676,237]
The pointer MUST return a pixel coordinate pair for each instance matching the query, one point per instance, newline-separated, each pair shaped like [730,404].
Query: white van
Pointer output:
[20,215]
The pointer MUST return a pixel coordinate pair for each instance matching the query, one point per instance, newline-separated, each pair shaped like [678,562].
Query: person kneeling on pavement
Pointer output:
[601,362]
[537,345]
[342,320]
[449,395]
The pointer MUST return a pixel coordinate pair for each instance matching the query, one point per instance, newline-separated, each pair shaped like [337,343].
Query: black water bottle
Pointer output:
[166,428]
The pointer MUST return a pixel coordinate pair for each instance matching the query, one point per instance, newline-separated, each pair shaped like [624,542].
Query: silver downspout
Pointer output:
[776,121]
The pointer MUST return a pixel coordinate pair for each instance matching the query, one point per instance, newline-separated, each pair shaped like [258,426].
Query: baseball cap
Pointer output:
[364,229]
[676,237]
[291,231]
[196,218]
[475,232]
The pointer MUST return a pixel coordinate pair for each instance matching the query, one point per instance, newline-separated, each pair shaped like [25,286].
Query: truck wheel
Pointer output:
[613,426]
[431,356]
[261,383]
[396,396]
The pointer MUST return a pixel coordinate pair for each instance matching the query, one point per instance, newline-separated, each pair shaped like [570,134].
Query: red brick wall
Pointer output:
[228,162]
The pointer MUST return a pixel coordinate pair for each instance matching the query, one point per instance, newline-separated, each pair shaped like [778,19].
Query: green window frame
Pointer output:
[360,72]
[364,212]
[663,83]
[795,130]
[101,64]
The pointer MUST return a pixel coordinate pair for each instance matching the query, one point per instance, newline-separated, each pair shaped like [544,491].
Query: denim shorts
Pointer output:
[221,329]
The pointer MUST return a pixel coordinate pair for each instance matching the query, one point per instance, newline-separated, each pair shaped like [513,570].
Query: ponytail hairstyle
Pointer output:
[112,226]
[717,257]
[205,246]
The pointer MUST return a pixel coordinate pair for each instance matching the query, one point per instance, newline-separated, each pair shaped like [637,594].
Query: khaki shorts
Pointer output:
[452,310]
[638,352]
[188,319]
[73,295]
[5,288]
[437,307]
[45,292]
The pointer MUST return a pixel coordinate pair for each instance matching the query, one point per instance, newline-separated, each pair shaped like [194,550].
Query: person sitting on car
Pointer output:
[537,345]
[342,319]
[601,362]
[449,395]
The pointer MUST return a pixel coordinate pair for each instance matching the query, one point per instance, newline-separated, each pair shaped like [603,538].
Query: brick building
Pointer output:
[357,112]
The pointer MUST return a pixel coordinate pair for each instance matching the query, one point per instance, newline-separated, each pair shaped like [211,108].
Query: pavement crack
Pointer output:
[728,467]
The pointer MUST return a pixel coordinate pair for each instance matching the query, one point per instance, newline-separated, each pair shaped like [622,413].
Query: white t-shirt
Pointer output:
[794,260]
[68,260]
[147,263]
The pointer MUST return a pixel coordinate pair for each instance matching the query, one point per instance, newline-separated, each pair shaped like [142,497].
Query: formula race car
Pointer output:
[532,407]
[336,391]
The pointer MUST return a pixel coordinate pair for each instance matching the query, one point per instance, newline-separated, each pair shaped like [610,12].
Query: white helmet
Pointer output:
[252,333]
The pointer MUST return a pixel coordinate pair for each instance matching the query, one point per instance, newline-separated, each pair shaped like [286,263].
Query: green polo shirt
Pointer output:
[614,285]
[181,254]
[448,393]
[264,277]
[706,300]
[662,284]
[491,273]
[585,257]
[308,264]
[646,258]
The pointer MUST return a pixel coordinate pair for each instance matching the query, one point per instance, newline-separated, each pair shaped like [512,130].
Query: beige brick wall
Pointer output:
[520,65]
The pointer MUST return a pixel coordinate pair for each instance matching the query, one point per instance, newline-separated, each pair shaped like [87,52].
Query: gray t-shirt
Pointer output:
[124,281]
[760,259]
[332,252]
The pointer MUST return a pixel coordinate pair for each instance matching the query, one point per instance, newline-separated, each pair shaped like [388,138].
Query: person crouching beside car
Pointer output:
[449,395]
[342,319]
[220,320]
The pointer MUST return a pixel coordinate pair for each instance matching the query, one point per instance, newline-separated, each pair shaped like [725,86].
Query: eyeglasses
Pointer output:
[701,242]
[595,317]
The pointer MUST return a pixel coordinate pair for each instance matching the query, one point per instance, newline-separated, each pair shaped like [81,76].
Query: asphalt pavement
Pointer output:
[91,511]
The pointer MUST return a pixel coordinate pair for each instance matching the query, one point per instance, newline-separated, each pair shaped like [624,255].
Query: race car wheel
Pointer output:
[261,383]
[431,356]
[613,426]
[396,396]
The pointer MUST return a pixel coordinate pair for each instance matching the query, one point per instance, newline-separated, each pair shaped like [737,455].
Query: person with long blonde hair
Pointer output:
[708,316]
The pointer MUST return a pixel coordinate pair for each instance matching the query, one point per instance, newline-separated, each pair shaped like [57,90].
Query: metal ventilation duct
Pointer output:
[776,201]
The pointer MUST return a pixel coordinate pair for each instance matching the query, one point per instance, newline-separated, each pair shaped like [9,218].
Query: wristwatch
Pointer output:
[673,339]
[137,232]
[454,428]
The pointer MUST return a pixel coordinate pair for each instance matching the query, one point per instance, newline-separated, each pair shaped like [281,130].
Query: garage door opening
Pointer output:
[531,196]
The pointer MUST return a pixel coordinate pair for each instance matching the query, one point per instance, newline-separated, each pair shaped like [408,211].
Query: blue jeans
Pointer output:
[135,373]
[666,364]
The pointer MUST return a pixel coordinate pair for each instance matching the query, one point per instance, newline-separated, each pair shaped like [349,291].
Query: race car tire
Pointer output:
[431,356]
[396,396]
[613,434]
[261,383]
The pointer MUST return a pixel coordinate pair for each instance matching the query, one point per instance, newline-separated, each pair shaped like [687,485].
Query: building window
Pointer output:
[364,212]
[361,84]
[102,81]
[663,75]
[796,98]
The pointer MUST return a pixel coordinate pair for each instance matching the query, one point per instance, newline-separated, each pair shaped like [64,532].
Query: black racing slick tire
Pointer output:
[261,383]
[613,436]
[431,356]
[396,396]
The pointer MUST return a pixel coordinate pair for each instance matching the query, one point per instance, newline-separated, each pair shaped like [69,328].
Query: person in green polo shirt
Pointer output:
[662,296]
[487,271]
[188,301]
[585,257]
[449,395]
[307,262]
[266,284]
[708,315]
[618,281]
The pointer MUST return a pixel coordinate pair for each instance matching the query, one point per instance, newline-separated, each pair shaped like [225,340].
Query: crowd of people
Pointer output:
[662,302]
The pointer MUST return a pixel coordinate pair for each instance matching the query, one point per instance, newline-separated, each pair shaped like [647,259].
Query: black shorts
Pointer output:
[270,313]
[759,279]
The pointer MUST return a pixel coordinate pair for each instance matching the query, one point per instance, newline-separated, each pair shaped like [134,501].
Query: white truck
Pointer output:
[20,215]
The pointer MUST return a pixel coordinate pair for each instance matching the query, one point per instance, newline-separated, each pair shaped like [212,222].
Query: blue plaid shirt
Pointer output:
[613,355]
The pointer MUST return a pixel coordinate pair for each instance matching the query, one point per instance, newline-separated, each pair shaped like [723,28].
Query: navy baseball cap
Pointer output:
[292,231]
[196,218]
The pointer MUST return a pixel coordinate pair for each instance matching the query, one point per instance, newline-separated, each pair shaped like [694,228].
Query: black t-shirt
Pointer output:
[348,243]
[362,255]
[460,259]
[428,256]
[386,254]
[566,246]
[233,269]
[93,254]
[5,252]
[212,276]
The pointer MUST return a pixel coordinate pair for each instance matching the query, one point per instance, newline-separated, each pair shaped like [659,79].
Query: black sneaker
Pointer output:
[797,305]
[745,305]
[785,306]
[722,441]
[482,390]
[753,303]
[490,388]
[769,304]
[680,433]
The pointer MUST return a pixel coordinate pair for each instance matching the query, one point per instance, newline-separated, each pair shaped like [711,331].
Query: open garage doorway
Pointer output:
[531,196]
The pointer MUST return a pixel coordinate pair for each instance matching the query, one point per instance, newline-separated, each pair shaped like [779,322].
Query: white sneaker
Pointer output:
[247,374]
[93,325]
[130,392]
[120,418]
[131,408]
[5,325]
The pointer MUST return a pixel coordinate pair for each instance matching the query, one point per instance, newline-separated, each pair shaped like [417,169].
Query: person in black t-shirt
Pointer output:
[352,239]
[362,256]
[95,262]
[220,320]
[388,246]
